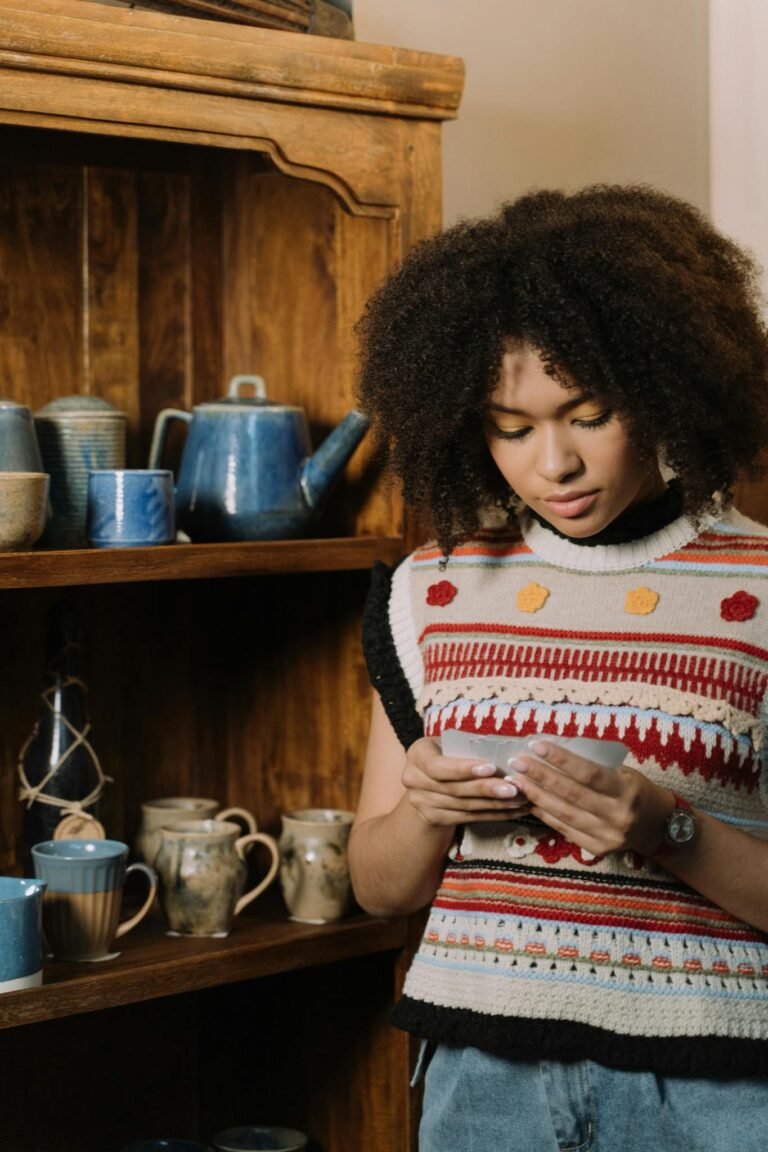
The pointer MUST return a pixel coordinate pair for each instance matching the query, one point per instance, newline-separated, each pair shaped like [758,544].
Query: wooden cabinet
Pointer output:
[182,200]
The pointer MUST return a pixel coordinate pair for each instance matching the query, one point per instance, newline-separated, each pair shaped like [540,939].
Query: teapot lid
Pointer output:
[235,398]
[79,405]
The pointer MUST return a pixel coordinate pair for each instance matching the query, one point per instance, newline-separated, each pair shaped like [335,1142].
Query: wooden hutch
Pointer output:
[182,200]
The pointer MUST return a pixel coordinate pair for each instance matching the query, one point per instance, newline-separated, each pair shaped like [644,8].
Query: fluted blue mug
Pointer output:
[130,507]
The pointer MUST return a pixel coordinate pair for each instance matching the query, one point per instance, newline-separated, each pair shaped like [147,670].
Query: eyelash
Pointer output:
[597,422]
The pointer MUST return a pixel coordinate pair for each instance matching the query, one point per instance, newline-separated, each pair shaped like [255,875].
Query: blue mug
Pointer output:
[130,507]
[21,948]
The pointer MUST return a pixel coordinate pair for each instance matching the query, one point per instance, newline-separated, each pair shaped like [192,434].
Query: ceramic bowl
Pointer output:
[23,509]
[257,1138]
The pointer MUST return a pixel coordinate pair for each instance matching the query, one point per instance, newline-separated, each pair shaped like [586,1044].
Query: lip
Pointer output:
[570,504]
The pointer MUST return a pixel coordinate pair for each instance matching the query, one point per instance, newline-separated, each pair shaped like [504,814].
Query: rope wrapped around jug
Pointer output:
[35,793]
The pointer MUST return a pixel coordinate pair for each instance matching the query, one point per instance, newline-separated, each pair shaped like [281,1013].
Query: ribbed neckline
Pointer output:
[565,553]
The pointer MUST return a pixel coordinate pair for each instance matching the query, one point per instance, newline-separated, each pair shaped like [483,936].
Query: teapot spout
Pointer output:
[319,471]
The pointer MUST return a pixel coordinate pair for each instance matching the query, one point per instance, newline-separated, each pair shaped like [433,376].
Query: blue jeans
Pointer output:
[474,1102]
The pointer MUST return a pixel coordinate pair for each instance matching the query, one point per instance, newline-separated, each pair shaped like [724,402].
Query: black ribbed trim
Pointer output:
[518,1038]
[637,522]
[384,667]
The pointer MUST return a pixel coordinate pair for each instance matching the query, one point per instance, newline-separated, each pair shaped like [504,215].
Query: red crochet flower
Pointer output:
[553,847]
[441,593]
[740,606]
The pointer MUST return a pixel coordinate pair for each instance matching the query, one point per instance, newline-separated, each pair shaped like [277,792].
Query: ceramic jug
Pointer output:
[247,469]
[19,449]
[314,874]
[202,872]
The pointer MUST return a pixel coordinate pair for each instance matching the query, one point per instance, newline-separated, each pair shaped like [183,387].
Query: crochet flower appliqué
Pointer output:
[641,601]
[440,594]
[740,606]
[532,597]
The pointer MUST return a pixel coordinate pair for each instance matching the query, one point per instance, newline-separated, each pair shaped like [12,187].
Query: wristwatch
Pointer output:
[679,826]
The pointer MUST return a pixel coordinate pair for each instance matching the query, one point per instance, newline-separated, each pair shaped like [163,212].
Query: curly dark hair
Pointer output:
[625,291]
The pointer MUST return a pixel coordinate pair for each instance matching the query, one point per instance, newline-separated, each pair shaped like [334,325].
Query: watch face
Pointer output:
[681,827]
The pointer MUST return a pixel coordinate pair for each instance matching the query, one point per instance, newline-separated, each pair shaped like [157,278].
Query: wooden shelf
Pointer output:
[153,965]
[49,569]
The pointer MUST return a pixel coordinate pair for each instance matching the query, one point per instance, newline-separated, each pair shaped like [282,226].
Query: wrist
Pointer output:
[678,829]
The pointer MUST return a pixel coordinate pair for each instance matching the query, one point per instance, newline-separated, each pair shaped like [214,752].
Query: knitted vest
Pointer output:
[533,948]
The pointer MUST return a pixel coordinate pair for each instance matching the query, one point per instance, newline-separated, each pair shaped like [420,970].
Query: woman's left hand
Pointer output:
[600,809]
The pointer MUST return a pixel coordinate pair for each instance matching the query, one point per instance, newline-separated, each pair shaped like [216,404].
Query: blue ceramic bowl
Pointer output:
[21,955]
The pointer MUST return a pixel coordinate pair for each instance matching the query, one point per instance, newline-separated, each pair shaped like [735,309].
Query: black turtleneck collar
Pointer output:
[637,522]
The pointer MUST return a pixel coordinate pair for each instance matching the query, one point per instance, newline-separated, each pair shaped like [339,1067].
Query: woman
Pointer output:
[594,970]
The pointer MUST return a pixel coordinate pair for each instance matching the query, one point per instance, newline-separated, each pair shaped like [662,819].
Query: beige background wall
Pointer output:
[563,92]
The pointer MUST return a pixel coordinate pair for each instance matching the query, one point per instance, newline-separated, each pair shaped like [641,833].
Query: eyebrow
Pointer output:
[567,406]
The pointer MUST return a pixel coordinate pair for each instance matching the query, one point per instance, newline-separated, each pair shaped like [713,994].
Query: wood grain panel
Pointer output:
[41,287]
[164,286]
[111,321]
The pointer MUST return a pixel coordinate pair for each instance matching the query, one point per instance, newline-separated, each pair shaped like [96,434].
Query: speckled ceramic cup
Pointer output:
[23,509]
[21,953]
[314,873]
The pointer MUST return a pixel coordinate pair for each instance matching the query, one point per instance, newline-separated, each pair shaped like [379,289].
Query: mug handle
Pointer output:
[241,846]
[134,920]
[247,818]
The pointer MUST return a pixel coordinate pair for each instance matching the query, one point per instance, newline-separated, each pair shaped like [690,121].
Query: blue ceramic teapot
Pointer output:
[247,469]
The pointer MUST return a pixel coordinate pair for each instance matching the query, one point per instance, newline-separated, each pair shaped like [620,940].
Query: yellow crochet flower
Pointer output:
[641,601]
[532,597]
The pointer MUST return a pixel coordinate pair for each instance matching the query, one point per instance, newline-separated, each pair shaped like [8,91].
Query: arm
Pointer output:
[410,805]
[607,811]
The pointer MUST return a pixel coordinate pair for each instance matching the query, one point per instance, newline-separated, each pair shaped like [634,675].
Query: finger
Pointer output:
[589,844]
[561,798]
[584,772]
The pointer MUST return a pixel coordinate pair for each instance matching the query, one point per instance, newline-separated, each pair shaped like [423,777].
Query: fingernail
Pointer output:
[505,791]
[483,769]
[517,765]
[538,748]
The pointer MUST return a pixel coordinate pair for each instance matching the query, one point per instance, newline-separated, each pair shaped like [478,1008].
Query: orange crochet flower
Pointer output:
[641,601]
[532,597]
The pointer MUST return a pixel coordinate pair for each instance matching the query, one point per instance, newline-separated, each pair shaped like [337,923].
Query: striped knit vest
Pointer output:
[533,948]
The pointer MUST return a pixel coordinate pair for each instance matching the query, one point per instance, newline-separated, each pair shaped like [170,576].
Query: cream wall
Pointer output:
[739,123]
[563,92]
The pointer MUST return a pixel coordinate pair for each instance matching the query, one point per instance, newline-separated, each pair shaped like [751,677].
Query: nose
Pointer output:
[558,459]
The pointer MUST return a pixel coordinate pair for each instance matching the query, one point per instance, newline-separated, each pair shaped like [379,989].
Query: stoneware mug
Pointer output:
[259,1138]
[202,872]
[21,950]
[170,809]
[130,507]
[314,873]
[82,902]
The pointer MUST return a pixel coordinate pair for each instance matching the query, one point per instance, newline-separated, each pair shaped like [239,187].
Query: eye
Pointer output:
[506,433]
[594,421]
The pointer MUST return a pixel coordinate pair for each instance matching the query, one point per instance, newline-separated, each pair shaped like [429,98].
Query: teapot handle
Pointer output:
[256,382]
[160,434]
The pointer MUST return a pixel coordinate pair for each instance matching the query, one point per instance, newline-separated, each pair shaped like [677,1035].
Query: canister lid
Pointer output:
[79,405]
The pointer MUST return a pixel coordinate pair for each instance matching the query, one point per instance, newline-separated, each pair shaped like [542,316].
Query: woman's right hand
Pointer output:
[449,790]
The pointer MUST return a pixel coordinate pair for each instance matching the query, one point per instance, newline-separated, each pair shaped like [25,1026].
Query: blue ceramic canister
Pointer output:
[76,434]
[21,952]
[19,449]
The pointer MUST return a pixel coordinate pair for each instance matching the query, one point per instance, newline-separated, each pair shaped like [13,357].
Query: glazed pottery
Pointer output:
[19,449]
[81,906]
[76,434]
[130,507]
[167,1146]
[314,874]
[157,813]
[247,470]
[21,953]
[202,872]
[23,509]
[259,1138]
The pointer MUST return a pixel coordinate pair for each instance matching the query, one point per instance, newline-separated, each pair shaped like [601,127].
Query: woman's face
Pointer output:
[568,458]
